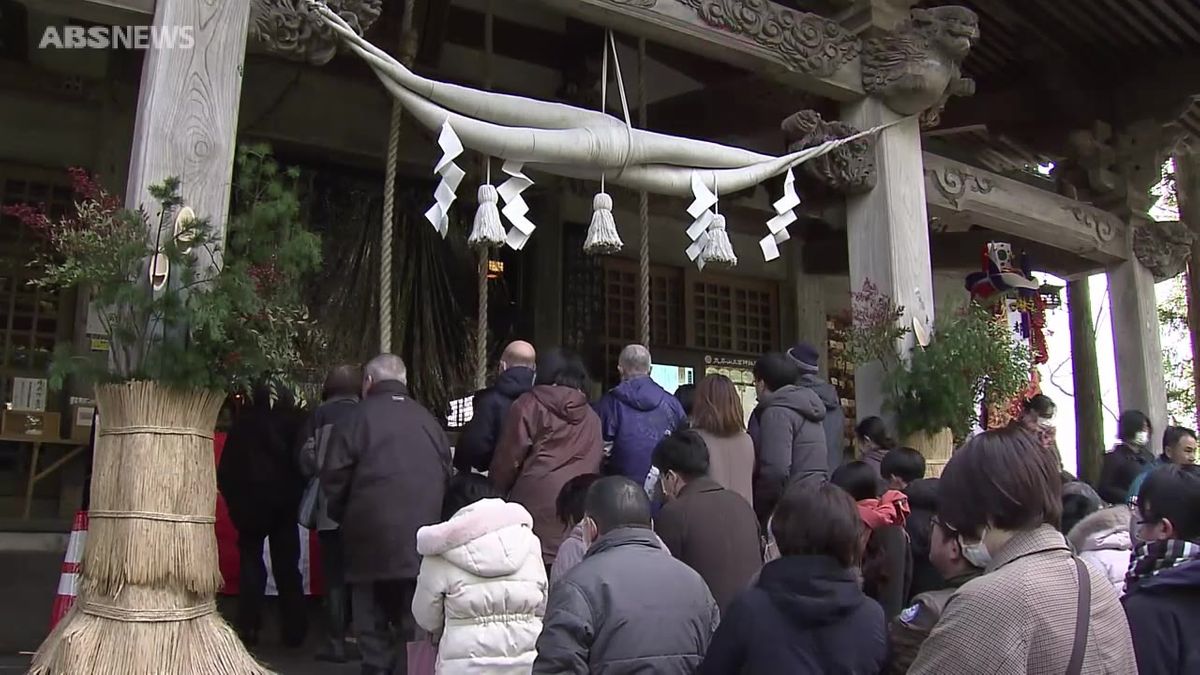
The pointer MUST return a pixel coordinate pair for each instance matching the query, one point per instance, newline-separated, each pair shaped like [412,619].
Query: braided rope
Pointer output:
[156,431]
[407,56]
[643,211]
[152,515]
[481,320]
[147,615]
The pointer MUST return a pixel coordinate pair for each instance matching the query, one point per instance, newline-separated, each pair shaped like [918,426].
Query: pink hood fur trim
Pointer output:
[470,523]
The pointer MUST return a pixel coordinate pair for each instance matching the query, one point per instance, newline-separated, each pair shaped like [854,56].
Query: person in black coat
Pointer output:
[338,398]
[806,613]
[385,477]
[477,444]
[1162,589]
[262,486]
[1128,459]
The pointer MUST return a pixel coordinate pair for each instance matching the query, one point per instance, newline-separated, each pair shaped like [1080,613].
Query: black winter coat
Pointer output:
[314,446]
[1121,466]
[258,475]
[384,477]
[1163,612]
[490,406]
[806,615]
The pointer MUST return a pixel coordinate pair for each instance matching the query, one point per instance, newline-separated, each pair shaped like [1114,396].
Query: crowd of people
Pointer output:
[670,532]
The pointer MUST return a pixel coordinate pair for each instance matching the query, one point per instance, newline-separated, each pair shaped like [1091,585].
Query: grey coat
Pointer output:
[314,437]
[790,445]
[629,607]
[835,418]
[384,478]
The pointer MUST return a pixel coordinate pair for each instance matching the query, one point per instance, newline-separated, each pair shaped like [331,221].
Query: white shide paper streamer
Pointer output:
[785,215]
[701,212]
[438,215]
[515,208]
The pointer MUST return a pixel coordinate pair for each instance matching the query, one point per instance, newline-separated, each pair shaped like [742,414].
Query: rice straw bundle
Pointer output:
[150,569]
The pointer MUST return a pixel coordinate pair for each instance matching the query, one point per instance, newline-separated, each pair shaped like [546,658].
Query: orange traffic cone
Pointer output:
[68,583]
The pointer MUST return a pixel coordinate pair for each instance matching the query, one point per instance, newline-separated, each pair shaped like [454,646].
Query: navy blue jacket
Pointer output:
[634,416]
[490,406]
[806,615]
[1163,612]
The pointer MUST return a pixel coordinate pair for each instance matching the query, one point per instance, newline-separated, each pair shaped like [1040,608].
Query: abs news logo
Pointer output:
[118,37]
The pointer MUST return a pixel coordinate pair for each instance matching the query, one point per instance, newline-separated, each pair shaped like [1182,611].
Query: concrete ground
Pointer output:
[29,579]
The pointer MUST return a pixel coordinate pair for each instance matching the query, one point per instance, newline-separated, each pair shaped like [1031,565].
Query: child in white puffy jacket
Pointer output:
[1102,540]
[482,587]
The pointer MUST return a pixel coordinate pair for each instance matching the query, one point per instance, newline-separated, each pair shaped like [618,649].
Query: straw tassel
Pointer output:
[487,230]
[602,236]
[718,250]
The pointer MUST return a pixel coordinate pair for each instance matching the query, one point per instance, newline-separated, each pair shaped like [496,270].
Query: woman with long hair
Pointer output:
[873,441]
[718,418]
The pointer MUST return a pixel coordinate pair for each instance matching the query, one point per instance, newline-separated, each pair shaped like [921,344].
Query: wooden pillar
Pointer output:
[1187,190]
[1089,413]
[186,122]
[806,316]
[1136,342]
[888,232]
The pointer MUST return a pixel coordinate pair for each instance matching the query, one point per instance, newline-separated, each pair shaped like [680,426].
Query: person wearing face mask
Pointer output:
[1037,609]
[1179,447]
[908,631]
[1163,585]
[1037,417]
[712,529]
[1127,459]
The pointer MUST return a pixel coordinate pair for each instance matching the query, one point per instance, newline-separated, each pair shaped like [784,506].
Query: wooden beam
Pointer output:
[110,12]
[187,109]
[707,113]
[1021,210]
[675,23]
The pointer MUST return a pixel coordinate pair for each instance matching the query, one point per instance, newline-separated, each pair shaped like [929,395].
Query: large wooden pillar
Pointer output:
[187,107]
[888,231]
[1136,343]
[1089,413]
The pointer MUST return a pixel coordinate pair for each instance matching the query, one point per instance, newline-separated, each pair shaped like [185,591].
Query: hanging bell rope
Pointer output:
[408,53]
[487,230]
[643,211]
[602,236]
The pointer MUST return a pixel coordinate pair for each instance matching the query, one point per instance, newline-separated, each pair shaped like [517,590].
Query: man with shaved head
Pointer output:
[635,415]
[384,478]
[477,444]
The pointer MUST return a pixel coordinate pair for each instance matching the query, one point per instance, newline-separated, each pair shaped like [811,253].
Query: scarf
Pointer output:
[890,509]
[1152,557]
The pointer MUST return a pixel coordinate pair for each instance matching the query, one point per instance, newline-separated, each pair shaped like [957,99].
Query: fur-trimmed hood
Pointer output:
[1105,529]
[489,538]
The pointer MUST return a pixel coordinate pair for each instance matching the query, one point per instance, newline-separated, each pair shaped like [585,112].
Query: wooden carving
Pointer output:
[952,183]
[286,27]
[850,169]
[1163,247]
[918,67]
[807,42]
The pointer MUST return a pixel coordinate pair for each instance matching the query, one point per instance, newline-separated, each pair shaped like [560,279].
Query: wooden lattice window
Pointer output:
[621,317]
[735,315]
[29,316]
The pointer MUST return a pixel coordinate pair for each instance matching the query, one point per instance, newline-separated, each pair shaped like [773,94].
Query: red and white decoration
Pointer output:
[68,583]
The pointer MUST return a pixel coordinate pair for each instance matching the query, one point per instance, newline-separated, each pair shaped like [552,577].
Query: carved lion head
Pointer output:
[951,29]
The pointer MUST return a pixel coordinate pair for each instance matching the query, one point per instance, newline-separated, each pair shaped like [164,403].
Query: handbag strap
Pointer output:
[1083,615]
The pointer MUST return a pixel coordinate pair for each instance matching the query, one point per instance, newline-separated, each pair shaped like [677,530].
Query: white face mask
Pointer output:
[1141,438]
[976,553]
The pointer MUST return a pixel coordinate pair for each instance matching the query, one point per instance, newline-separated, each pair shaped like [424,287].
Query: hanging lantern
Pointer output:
[487,230]
[718,250]
[602,236]
[1051,295]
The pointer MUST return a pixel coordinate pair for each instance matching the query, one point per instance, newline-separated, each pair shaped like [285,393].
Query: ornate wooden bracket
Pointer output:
[286,27]
[1163,247]
[918,67]
[850,169]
